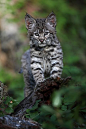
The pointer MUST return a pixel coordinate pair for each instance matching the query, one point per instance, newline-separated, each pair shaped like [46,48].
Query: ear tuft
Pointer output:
[51,19]
[27,15]
[30,22]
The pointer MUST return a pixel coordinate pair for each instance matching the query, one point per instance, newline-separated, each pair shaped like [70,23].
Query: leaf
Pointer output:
[56,99]
[8,110]
[63,107]
[47,109]
[71,96]
[36,105]
[8,99]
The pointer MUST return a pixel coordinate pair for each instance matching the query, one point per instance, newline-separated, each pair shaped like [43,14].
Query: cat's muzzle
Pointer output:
[42,43]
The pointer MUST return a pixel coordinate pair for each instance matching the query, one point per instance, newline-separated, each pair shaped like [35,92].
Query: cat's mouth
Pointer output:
[39,48]
[42,44]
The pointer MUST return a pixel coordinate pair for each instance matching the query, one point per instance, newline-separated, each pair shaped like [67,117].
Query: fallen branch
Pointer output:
[42,92]
[9,122]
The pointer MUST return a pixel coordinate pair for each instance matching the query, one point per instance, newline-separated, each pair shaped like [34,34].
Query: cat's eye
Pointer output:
[46,33]
[36,34]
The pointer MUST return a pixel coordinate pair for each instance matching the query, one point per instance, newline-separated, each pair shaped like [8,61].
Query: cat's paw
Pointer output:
[38,84]
[55,77]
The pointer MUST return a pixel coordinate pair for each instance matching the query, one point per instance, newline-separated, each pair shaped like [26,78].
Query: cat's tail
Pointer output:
[27,73]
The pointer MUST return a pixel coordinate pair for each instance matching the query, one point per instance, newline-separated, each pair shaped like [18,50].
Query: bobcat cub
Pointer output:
[45,57]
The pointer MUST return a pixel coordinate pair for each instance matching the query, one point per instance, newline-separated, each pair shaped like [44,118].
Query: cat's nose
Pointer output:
[41,40]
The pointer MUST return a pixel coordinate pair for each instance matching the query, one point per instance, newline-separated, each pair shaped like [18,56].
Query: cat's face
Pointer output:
[40,30]
[42,38]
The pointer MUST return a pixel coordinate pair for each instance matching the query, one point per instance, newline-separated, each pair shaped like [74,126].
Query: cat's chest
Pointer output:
[46,62]
[42,58]
[46,55]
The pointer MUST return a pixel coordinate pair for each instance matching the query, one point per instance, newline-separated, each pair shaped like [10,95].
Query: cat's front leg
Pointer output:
[56,67]
[37,72]
[37,75]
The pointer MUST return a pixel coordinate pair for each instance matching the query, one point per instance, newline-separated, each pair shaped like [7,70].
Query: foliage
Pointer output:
[7,105]
[15,83]
[68,109]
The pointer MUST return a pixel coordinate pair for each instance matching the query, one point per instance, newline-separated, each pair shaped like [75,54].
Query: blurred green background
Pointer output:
[71,32]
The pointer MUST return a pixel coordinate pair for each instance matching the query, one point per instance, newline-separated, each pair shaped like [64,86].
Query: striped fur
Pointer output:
[45,55]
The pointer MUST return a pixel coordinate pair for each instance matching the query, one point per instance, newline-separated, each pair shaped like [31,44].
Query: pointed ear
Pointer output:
[51,20]
[30,22]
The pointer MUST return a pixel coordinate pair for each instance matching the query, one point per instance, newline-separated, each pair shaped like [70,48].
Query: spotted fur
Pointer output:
[45,57]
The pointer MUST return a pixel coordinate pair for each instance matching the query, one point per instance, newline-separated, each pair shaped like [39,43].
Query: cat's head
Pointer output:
[40,30]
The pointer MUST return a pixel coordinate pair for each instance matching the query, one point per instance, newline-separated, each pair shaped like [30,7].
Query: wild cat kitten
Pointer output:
[45,57]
